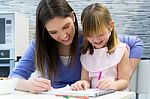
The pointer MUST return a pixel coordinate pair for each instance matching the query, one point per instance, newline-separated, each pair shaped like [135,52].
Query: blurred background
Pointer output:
[132,17]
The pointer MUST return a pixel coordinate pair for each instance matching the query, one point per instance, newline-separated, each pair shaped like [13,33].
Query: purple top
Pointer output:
[135,44]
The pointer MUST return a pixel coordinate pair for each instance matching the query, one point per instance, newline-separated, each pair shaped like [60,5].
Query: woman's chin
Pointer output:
[67,42]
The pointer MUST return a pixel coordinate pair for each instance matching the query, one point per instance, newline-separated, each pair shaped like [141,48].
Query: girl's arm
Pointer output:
[123,72]
[84,74]
[136,49]
[122,76]
[84,83]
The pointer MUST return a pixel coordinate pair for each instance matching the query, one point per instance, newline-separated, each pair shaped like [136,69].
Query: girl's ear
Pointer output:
[112,25]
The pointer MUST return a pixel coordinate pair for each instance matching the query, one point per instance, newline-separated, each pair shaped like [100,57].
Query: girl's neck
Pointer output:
[64,50]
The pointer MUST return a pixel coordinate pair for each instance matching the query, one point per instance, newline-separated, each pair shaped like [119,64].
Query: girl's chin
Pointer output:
[98,47]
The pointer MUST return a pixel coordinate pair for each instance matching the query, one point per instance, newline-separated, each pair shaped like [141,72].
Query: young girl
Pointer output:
[104,58]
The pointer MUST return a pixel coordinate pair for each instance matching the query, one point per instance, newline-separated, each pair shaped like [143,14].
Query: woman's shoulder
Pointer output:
[32,44]
[80,32]
[80,39]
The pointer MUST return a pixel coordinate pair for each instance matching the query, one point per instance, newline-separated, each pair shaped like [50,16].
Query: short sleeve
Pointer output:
[135,44]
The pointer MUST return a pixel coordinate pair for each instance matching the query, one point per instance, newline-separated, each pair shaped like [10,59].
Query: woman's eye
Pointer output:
[54,32]
[65,27]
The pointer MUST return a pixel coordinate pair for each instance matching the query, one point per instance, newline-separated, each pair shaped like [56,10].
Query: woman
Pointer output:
[55,52]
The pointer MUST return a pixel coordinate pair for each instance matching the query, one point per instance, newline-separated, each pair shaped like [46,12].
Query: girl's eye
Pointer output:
[100,35]
[89,35]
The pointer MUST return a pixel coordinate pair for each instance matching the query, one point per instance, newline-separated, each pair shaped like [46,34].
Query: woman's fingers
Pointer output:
[39,85]
[44,83]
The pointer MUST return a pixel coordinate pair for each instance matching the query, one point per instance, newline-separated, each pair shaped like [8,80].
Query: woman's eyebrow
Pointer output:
[52,31]
[67,24]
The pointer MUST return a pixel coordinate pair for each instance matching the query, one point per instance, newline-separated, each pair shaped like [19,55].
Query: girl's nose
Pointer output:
[95,39]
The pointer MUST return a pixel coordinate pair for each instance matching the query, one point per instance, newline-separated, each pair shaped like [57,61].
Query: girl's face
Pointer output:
[61,29]
[99,41]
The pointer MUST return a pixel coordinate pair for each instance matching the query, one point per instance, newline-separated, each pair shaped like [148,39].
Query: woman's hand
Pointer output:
[80,85]
[37,85]
[105,84]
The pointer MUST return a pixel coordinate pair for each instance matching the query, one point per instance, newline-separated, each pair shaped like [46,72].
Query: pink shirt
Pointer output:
[100,60]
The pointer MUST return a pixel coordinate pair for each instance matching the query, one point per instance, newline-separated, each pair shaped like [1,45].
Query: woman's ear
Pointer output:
[112,25]
[74,19]
[73,16]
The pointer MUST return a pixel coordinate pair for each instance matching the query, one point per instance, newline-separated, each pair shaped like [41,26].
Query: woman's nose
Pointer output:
[63,36]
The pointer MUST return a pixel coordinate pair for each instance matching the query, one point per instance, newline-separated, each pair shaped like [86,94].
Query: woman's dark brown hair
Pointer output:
[46,47]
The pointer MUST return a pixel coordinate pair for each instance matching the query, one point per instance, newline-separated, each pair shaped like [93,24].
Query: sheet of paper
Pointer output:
[66,91]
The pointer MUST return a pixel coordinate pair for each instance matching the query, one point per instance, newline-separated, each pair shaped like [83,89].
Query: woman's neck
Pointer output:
[64,50]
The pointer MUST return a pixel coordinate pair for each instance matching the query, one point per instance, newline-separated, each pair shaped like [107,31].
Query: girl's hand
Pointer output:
[37,85]
[80,85]
[105,84]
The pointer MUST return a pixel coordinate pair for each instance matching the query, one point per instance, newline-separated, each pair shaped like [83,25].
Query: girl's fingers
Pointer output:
[78,86]
[102,84]
[86,86]
[105,86]
[99,83]
[75,87]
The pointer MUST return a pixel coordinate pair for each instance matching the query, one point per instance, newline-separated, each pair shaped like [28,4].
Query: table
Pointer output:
[27,95]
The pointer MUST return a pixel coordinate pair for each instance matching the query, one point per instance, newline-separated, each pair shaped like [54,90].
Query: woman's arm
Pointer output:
[36,85]
[25,66]
[24,69]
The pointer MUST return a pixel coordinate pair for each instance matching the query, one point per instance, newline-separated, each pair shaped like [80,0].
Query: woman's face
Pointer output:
[61,29]
[99,41]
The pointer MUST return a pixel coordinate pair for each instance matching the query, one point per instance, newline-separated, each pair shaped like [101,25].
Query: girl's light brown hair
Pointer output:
[94,19]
